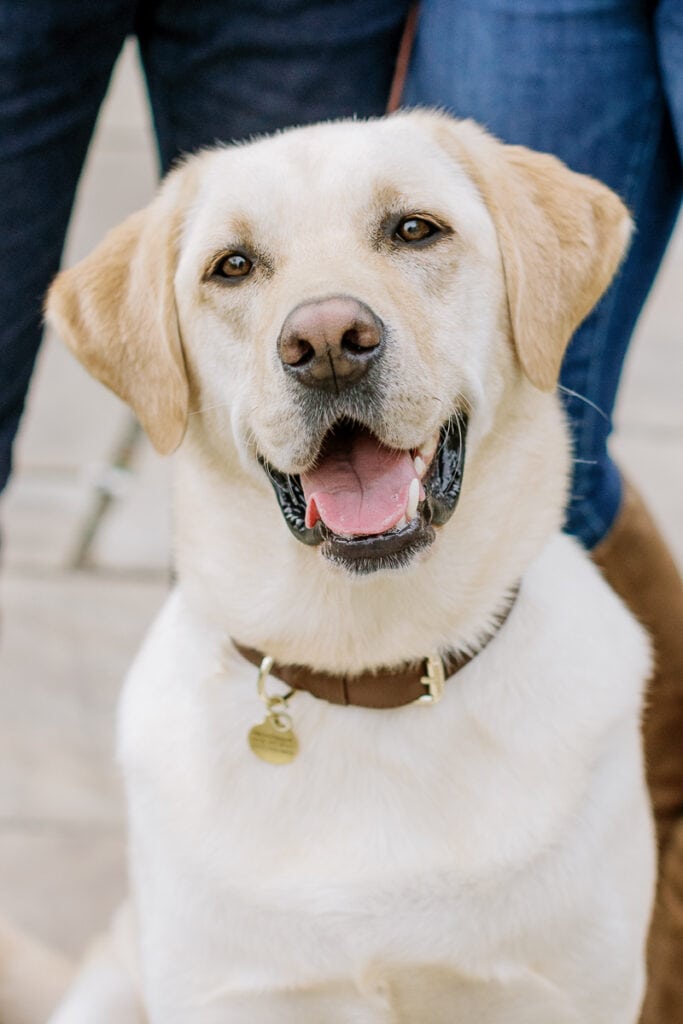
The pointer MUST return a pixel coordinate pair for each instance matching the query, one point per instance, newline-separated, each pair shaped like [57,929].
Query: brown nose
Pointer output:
[330,344]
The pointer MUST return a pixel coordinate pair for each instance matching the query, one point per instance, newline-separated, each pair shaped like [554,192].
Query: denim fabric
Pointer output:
[599,83]
[215,69]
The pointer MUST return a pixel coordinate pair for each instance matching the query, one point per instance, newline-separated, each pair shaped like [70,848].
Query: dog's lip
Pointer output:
[391,550]
[442,458]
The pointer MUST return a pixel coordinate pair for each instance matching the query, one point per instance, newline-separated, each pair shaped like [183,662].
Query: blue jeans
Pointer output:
[215,70]
[600,84]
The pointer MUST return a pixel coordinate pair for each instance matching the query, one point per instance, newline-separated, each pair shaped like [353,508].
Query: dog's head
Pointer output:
[335,306]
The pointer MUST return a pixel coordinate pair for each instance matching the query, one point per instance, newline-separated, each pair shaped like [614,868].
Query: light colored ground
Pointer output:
[84,574]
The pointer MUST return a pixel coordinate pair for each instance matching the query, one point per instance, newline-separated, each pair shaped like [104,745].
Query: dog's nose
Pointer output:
[331,343]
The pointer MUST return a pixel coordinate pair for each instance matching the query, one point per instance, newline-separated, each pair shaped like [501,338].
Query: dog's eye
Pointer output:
[233,266]
[415,229]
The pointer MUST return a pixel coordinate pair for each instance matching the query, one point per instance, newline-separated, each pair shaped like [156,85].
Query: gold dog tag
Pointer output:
[274,740]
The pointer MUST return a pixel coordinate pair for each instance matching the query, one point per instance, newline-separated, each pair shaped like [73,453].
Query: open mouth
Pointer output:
[373,507]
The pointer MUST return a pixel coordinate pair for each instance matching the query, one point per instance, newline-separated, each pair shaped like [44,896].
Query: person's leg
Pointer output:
[581,79]
[637,564]
[669,30]
[218,71]
[56,57]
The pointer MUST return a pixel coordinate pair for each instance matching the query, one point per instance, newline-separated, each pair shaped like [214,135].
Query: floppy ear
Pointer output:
[562,236]
[116,311]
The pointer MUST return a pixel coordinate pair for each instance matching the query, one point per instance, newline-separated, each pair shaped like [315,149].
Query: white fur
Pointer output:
[499,837]
[489,858]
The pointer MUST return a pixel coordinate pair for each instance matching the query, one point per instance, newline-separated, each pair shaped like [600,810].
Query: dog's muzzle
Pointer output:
[368,506]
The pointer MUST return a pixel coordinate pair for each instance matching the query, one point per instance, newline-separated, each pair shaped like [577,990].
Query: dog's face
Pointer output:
[336,305]
[339,318]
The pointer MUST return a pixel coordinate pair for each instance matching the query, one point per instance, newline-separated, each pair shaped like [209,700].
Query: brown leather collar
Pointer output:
[412,682]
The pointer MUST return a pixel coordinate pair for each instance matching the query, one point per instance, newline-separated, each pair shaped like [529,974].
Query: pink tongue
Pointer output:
[361,491]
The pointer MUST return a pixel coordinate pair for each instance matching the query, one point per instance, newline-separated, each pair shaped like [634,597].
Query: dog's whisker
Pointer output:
[582,398]
[463,401]
[208,408]
[460,437]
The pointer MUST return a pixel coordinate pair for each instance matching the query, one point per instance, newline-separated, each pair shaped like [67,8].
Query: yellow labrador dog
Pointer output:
[381,747]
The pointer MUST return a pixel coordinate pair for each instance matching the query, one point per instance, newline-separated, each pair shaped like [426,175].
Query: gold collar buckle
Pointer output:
[434,681]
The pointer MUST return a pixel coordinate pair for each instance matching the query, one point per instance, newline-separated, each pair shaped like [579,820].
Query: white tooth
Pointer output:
[413,498]
[401,523]
[420,466]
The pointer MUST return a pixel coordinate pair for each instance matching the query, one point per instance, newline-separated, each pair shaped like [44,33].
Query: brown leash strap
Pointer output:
[403,60]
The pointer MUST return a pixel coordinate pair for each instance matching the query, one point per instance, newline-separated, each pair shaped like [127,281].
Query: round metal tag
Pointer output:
[273,741]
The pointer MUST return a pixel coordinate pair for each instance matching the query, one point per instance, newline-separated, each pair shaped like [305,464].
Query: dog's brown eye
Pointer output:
[234,265]
[415,229]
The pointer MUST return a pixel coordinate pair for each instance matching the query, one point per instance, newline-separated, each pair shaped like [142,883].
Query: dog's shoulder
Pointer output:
[572,639]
